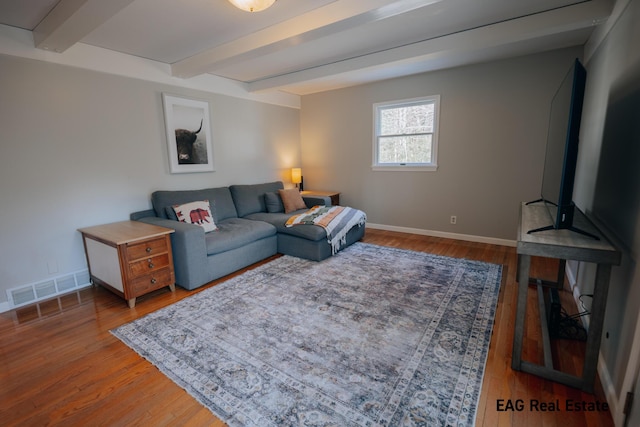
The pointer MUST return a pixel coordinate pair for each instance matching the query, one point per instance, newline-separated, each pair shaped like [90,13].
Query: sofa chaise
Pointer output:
[249,227]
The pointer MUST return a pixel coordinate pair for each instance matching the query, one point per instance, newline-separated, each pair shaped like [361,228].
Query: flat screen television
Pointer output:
[562,150]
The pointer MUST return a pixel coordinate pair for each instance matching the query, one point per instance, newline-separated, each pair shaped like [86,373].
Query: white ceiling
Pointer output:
[308,46]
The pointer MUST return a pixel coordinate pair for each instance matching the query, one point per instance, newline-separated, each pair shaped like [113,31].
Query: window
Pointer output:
[406,134]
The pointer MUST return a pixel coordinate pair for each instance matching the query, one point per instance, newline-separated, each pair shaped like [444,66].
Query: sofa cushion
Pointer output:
[222,206]
[278,220]
[236,232]
[273,202]
[250,198]
[198,213]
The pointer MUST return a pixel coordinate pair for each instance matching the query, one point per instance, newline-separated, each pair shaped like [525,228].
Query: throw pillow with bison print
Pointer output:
[198,213]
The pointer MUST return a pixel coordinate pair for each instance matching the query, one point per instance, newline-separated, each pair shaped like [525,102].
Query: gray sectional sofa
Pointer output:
[251,227]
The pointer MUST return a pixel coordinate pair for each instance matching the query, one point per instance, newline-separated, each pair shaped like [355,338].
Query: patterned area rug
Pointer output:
[373,336]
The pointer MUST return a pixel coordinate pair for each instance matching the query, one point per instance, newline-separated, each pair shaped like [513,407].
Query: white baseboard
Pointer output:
[455,236]
[4,306]
[610,392]
[603,372]
[573,280]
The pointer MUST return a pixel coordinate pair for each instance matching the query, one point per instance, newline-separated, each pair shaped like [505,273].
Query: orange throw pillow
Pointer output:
[292,200]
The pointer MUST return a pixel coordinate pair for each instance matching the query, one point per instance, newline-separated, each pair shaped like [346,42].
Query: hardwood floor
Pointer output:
[59,365]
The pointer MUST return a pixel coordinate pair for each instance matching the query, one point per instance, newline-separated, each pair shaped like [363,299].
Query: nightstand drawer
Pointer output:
[147,248]
[148,265]
[150,282]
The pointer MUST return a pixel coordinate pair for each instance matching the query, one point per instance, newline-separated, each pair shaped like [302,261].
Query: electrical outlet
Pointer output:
[454,219]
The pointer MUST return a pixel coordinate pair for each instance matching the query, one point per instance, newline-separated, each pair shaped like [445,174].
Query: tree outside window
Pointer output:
[406,134]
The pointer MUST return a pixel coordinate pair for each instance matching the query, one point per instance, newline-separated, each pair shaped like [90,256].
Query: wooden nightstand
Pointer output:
[129,258]
[334,196]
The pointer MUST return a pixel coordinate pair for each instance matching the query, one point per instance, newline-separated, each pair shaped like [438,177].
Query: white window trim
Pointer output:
[408,167]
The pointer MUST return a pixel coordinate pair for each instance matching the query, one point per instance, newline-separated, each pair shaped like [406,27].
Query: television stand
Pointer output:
[563,246]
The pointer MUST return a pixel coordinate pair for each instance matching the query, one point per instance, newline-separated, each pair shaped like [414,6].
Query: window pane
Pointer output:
[407,120]
[405,149]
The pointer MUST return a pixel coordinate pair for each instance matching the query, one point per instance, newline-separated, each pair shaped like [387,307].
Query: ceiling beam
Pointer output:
[326,20]
[70,20]
[530,27]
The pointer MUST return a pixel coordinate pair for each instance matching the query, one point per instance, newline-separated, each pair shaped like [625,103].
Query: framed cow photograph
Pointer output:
[188,134]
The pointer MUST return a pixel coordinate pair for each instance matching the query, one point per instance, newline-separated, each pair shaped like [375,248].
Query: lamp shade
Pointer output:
[252,5]
[296,175]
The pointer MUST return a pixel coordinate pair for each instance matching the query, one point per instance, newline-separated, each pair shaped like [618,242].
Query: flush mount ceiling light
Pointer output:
[252,5]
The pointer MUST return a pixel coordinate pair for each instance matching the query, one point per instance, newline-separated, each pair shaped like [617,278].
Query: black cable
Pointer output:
[570,328]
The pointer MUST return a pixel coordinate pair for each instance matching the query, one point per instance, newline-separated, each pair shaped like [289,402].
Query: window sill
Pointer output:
[398,168]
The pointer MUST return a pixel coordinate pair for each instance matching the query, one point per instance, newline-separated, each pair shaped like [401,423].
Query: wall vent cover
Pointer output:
[49,288]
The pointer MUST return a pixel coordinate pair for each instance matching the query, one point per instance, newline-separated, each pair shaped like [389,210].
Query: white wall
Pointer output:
[493,124]
[80,148]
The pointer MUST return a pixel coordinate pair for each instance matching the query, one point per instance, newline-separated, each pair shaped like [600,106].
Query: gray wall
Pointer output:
[80,148]
[608,187]
[493,121]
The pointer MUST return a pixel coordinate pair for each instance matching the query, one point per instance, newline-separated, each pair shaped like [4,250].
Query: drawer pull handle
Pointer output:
[151,265]
[148,250]
[153,280]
